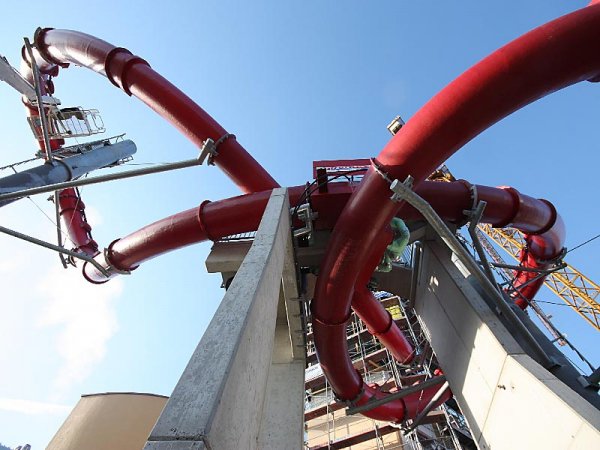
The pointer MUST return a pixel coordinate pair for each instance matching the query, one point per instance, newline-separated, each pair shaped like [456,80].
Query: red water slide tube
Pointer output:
[209,221]
[443,123]
[551,57]
[214,220]
[135,77]
[56,48]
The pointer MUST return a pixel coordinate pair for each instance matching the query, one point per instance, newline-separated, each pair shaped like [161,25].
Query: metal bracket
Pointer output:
[530,269]
[558,260]
[209,150]
[541,273]
[475,216]
[350,404]
[396,395]
[400,189]
[110,269]
[476,202]
[427,408]
[56,248]
[306,215]
[378,170]
[468,213]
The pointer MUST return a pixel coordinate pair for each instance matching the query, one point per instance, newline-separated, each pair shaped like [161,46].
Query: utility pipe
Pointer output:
[63,170]
[547,59]
[135,77]
[16,194]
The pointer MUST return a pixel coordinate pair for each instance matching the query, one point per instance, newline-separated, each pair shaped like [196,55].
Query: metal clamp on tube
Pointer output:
[210,149]
[104,269]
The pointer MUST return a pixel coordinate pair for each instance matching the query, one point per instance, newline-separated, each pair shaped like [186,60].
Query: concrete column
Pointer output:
[239,389]
[282,425]
[508,399]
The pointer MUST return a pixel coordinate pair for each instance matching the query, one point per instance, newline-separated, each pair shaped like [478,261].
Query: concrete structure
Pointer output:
[111,421]
[243,386]
[475,348]
[508,399]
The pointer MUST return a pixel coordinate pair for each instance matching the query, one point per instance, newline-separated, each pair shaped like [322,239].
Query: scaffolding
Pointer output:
[327,424]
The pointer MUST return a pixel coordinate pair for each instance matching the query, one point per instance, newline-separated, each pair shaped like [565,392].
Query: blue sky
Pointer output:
[295,82]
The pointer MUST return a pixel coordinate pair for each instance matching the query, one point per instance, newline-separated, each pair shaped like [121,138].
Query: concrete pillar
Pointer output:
[243,386]
[282,425]
[508,399]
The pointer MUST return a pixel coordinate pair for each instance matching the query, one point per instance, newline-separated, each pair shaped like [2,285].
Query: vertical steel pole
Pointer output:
[40,105]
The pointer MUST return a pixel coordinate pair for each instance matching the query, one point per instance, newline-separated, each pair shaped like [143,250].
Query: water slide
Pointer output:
[551,57]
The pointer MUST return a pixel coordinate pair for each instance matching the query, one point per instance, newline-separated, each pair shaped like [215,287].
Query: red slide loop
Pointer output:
[135,77]
[551,57]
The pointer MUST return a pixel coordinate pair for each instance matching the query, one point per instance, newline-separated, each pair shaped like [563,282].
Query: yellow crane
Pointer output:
[568,283]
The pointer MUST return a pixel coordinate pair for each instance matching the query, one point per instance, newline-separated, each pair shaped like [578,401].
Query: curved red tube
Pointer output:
[135,77]
[72,211]
[214,220]
[544,60]
[381,325]
[549,58]
[211,220]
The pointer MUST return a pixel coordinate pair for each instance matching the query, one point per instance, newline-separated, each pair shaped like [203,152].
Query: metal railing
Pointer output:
[68,123]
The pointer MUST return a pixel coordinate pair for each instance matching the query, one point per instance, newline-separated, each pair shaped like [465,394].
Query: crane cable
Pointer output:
[581,245]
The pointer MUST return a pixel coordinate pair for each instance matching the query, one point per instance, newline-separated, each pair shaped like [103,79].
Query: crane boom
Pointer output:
[574,288]
[568,283]
[544,319]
